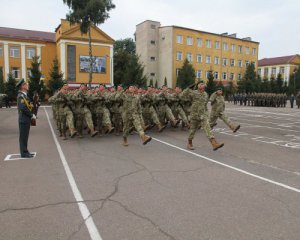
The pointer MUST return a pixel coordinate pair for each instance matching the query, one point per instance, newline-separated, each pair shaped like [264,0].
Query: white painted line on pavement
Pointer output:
[17,156]
[88,219]
[231,167]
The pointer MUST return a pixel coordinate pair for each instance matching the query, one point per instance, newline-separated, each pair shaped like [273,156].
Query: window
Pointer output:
[15,72]
[207,74]
[177,71]
[152,42]
[273,71]
[15,52]
[224,75]
[153,26]
[253,51]
[217,60]
[281,70]
[225,46]
[266,72]
[247,50]
[199,74]
[207,59]
[259,71]
[254,64]
[216,75]
[152,58]
[189,57]
[30,53]
[1,51]
[189,40]
[246,63]
[232,62]
[231,76]
[239,76]
[199,42]
[199,58]
[232,47]
[224,61]
[240,49]
[208,44]
[179,56]
[28,72]
[240,63]
[179,39]
[152,74]
[217,45]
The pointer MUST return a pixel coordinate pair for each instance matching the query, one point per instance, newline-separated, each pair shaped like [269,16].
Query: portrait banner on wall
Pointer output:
[99,64]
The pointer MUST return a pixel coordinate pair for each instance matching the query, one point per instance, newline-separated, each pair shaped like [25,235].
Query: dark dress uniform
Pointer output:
[25,116]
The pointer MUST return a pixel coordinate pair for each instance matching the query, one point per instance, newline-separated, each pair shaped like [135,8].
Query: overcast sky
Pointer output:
[273,23]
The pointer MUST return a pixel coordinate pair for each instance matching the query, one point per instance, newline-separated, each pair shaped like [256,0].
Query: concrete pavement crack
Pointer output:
[115,191]
[145,218]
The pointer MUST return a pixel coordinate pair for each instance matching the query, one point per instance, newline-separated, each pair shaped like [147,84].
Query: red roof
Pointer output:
[27,34]
[276,60]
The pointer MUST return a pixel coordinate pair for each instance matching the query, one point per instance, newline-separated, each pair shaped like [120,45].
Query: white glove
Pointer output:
[33,116]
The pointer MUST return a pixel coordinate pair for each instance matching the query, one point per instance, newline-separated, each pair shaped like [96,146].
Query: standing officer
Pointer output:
[25,115]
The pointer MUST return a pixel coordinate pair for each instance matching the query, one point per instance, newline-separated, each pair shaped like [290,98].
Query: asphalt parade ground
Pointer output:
[94,188]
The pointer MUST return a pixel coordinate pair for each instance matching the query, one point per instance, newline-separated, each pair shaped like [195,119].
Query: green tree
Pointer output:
[165,82]
[279,83]
[88,13]
[249,78]
[56,78]
[10,87]
[211,85]
[265,85]
[257,84]
[285,88]
[128,70]
[156,84]
[230,89]
[272,85]
[2,88]
[35,77]
[151,83]
[294,78]
[126,44]
[186,75]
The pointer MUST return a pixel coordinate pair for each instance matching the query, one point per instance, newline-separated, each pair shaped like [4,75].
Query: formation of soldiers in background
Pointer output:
[263,99]
[108,110]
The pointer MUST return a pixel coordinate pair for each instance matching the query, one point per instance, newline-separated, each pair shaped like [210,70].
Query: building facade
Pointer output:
[270,67]
[163,49]
[17,47]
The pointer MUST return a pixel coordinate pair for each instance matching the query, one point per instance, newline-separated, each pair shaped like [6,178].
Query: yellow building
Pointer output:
[17,47]
[163,49]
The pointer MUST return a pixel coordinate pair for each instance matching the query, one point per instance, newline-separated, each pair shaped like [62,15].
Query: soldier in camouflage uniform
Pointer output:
[217,111]
[116,109]
[199,115]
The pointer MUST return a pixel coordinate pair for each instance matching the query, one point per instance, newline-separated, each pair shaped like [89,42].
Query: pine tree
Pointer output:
[151,83]
[35,77]
[156,84]
[249,78]
[265,85]
[2,89]
[279,83]
[186,75]
[10,88]
[56,78]
[211,85]
[166,82]
[272,85]
[88,13]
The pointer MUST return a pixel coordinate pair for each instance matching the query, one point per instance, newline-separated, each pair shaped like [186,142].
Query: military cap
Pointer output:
[200,81]
[220,88]
[20,83]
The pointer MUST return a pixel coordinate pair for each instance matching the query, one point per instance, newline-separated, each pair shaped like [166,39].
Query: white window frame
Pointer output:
[247,63]
[231,76]
[179,56]
[1,51]
[273,71]
[239,76]
[216,75]
[217,61]
[199,58]
[207,73]
[253,51]
[266,72]
[232,62]
[217,44]
[207,59]
[179,39]
[259,71]
[199,73]
[232,48]
[225,46]
[208,43]
[189,57]
[240,63]
[247,50]
[199,42]
[281,70]
[240,49]
[189,41]
[224,62]
[15,70]
[177,71]
[28,72]
[30,53]
[13,50]
[224,74]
